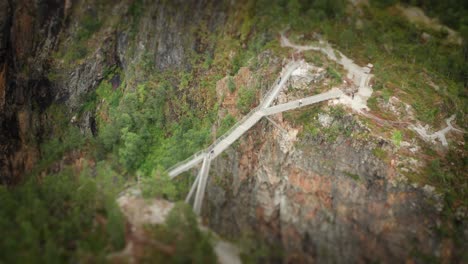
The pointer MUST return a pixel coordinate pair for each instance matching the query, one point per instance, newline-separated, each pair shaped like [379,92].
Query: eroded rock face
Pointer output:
[168,34]
[165,35]
[320,200]
[28,32]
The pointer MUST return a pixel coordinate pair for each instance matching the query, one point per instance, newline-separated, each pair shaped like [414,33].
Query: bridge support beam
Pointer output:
[192,189]
[277,126]
[202,181]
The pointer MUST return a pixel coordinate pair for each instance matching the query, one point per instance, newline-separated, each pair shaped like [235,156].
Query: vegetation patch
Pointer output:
[180,234]
[352,176]
[227,123]
[380,153]
[231,84]
[62,218]
[397,137]
[246,99]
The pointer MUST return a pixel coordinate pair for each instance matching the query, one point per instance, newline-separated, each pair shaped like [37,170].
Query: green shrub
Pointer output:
[334,74]
[246,99]
[132,151]
[135,10]
[226,124]
[348,38]
[255,250]
[231,84]
[181,231]
[158,184]
[60,219]
[75,52]
[55,148]
[137,130]
[383,3]
[380,153]
[89,25]
[397,137]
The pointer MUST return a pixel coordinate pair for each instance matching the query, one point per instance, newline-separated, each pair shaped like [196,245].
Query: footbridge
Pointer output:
[264,109]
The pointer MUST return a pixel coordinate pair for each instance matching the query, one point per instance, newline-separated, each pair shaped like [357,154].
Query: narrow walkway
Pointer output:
[246,123]
[360,76]
[239,129]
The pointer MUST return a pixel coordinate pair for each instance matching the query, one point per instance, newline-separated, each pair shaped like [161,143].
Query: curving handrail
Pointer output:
[180,163]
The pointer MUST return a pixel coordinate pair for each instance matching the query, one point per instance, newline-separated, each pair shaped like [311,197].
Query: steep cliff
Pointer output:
[58,52]
[322,198]
[99,95]
[29,32]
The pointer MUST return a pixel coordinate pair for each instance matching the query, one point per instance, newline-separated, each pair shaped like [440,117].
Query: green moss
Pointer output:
[135,10]
[74,52]
[397,137]
[54,76]
[77,48]
[380,153]
[352,176]
[89,25]
[303,116]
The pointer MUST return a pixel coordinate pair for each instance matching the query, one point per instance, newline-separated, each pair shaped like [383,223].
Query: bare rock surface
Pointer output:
[140,212]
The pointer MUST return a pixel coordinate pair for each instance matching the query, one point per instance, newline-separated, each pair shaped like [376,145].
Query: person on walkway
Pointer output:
[279,80]
[352,95]
[300,102]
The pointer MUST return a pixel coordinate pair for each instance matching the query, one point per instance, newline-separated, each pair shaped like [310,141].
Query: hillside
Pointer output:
[308,131]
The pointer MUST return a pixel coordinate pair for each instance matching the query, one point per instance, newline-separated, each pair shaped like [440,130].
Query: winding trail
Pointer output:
[360,76]
[422,131]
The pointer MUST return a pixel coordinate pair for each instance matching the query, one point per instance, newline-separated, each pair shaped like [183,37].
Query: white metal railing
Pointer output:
[261,105]
[180,163]
[225,134]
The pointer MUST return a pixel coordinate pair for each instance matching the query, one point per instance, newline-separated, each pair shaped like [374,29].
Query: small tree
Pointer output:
[158,184]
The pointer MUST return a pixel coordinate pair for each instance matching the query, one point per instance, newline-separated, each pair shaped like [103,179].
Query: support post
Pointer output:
[202,185]
[193,188]
[277,126]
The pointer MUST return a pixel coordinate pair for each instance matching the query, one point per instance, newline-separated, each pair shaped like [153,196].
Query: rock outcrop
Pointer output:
[319,199]
[28,33]
[34,33]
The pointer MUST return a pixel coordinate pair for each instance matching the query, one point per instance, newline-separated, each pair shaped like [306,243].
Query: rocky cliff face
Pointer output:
[28,33]
[331,194]
[170,33]
[37,39]
[321,199]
